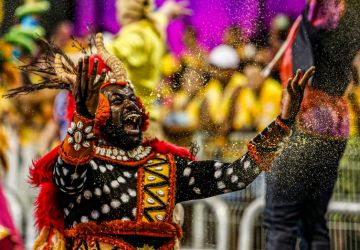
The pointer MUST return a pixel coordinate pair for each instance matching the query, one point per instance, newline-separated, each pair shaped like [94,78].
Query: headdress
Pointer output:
[59,72]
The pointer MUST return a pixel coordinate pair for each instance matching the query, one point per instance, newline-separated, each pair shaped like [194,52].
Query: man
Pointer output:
[105,187]
[326,36]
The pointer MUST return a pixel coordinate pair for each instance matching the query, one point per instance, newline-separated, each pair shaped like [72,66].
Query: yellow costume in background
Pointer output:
[217,101]
[252,111]
[141,46]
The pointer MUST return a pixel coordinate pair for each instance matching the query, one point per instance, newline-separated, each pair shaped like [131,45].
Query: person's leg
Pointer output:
[324,175]
[286,190]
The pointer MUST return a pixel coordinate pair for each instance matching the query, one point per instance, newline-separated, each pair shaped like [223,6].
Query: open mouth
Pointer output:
[131,123]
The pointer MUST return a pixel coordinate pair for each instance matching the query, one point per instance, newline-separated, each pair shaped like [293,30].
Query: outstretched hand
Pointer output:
[294,94]
[86,89]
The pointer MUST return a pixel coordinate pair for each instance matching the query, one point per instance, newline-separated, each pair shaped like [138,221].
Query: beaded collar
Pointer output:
[116,154]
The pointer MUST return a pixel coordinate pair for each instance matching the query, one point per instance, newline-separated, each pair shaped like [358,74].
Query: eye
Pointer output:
[133,98]
[117,100]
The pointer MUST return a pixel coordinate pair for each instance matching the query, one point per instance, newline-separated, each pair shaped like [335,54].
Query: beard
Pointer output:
[114,136]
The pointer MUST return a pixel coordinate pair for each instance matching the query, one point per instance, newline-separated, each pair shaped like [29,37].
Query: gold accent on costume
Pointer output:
[61,73]
[57,241]
[157,182]
[4,232]
[145,247]
[117,67]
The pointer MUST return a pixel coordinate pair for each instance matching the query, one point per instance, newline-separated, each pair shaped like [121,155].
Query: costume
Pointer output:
[140,45]
[94,195]
[320,37]
[252,111]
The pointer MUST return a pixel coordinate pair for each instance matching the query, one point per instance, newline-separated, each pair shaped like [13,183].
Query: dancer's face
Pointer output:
[123,129]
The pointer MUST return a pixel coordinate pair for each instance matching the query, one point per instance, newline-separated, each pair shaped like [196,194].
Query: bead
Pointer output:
[78,136]
[88,129]
[87,194]
[115,152]
[73,125]
[105,209]
[151,178]
[115,203]
[70,140]
[86,144]
[160,192]
[77,147]
[102,151]
[70,131]
[95,214]
[159,217]
[109,167]
[90,136]
[102,169]
[159,168]
[80,125]
[114,184]
[150,200]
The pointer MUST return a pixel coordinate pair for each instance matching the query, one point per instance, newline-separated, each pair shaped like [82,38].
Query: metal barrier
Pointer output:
[220,210]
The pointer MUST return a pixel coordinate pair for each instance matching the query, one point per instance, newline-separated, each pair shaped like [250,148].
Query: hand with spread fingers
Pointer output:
[86,89]
[294,94]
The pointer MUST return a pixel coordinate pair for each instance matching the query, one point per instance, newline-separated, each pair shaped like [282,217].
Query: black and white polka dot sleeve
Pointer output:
[202,179]
[69,179]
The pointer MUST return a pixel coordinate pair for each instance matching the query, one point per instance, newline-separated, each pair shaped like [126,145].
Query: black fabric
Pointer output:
[299,188]
[202,179]
[332,51]
[109,193]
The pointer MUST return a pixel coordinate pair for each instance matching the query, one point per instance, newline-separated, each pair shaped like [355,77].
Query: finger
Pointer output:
[93,74]
[101,79]
[289,88]
[308,74]
[295,82]
[77,88]
[84,77]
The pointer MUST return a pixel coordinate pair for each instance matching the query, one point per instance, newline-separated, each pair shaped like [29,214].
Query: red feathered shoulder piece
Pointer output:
[163,147]
[47,208]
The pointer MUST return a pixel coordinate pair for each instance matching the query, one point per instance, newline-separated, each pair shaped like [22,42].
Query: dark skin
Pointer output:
[123,129]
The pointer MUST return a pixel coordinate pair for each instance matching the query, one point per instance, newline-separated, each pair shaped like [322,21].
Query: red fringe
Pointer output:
[41,171]
[163,147]
[47,208]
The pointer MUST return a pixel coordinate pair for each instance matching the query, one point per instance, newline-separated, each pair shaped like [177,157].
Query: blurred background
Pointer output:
[212,92]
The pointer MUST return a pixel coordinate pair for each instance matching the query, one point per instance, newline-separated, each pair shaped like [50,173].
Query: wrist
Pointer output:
[78,145]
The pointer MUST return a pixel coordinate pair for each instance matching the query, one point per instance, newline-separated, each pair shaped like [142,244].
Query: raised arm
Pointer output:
[76,150]
[202,179]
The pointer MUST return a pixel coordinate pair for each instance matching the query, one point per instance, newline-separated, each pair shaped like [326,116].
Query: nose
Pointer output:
[130,106]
